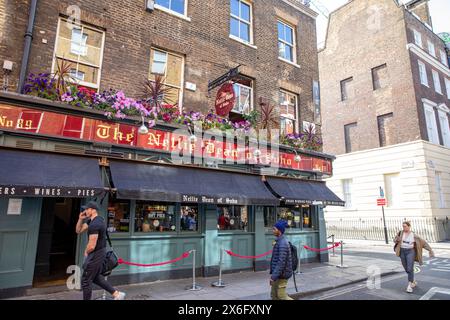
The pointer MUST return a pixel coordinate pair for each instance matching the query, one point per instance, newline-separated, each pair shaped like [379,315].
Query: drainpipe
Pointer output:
[27,48]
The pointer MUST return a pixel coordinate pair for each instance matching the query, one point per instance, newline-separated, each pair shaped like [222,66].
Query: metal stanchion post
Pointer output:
[299,259]
[194,286]
[332,239]
[220,283]
[342,255]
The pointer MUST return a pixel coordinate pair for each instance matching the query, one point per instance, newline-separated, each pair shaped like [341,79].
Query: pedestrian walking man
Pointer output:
[95,252]
[281,263]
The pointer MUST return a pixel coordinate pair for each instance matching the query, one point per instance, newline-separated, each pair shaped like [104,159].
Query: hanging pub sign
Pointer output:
[225,100]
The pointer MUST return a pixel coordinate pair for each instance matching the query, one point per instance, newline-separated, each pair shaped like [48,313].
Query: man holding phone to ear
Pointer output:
[95,252]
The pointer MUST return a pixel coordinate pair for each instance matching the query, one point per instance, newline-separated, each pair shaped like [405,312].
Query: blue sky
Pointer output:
[440,12]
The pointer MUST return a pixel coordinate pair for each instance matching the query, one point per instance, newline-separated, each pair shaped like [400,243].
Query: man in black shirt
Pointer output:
[95,252]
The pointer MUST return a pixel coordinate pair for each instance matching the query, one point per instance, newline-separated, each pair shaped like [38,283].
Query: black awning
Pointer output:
[156,182]
[35,174]
[296,191]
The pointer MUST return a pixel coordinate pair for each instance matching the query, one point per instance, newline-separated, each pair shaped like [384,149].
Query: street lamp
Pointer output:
[143,129]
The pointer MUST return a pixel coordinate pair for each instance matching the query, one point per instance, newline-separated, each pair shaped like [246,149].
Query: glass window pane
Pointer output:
[291,215]
[90,73]
[93,47]
[172,97]
[118,216]
[189,218]
[234,27]
[235,7]
[178,6]
[270,217]
[289,35]
[245,12]
[163,3]
[78,42]
[154,217]
[232,218]
[307,217]
[245,31]
[280,31]
[288,53]
[281,49]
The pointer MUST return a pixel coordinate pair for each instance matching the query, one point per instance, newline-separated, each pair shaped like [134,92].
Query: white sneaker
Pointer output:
[120,296]
[409,289]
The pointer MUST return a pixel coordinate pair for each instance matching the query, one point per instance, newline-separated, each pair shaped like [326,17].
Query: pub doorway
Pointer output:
[57,243]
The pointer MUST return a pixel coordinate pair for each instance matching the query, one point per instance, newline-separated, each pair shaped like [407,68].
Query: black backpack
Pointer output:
[294,256]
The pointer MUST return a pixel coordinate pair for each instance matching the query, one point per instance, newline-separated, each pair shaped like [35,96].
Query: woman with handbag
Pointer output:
[409,247]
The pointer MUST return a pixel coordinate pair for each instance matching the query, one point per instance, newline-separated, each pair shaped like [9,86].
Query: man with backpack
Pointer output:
[281,263]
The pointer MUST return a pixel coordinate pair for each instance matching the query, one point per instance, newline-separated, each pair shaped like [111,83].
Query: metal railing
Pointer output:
[431,229]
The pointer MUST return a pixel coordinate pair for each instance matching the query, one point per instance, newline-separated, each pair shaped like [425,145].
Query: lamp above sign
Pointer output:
[225,100]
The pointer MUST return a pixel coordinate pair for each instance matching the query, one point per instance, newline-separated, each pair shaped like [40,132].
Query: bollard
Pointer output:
[194,286]
[219,283]
[299,259]
[342,255]
[332,239]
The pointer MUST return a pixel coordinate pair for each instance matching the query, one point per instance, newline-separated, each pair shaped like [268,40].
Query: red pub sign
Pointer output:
[53,124]
[225,100]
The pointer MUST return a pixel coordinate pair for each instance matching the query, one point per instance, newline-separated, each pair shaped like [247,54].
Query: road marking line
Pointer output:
[440,270]
[433,291]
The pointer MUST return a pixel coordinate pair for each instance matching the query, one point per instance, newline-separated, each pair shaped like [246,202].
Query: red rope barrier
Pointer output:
[183,256]
[231,253]
[337,244]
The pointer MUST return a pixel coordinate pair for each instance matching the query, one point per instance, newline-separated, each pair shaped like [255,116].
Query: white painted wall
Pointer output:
[415,162]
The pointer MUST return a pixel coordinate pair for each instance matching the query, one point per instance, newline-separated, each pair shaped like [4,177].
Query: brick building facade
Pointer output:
[385,113]
[199,42]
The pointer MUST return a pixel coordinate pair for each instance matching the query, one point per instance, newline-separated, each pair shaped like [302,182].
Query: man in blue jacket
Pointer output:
[281,263]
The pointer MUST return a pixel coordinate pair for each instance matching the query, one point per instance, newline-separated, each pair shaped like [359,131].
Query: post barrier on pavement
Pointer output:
[194,286]
[219,283]
[342,256]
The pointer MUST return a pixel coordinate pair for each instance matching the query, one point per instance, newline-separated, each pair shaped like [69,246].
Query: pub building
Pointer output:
[54,158]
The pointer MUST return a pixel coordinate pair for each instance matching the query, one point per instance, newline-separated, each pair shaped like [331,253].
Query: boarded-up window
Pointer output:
[385,129]
[82,48]
[170,67]
[350,137]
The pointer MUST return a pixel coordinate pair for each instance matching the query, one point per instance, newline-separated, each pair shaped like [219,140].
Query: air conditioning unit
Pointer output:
[150,5]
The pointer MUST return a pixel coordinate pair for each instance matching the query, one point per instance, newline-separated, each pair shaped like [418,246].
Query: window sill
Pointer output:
[289,62]
[425,85]
[173,13]
[243,42]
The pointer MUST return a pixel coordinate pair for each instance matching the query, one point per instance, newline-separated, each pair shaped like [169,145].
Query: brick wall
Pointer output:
[131,31]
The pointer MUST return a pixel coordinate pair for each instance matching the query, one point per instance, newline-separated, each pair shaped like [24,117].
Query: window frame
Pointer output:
[297,116]
[423,73]
[347,185]
[249,23]
[390,190]
[436,81]
[95,86]
[445,130]
[181,87]
[444,57]
[429,109]
[173,12]
[418,38]
[294,41]
[447,87]
[431,48]
[347,138]
[238,96]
